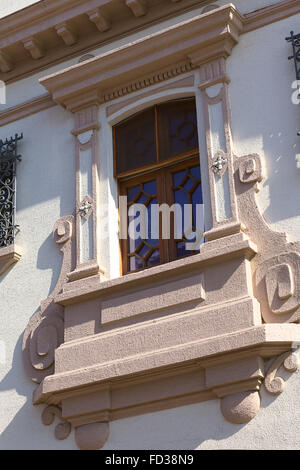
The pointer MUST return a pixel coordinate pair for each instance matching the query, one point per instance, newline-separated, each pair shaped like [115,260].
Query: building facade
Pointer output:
[115,341]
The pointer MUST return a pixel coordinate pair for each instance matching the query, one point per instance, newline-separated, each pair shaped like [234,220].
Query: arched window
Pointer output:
[157,166]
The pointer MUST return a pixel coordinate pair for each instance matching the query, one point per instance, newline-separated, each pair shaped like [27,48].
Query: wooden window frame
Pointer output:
[163,177]
[161,171]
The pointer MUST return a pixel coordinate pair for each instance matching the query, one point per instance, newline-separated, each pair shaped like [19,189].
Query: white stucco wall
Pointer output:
[10,6]
[264,121]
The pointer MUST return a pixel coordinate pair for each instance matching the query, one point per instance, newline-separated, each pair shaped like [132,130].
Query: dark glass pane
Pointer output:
[187,190]
[177,128]
[135,144]
[145,252]
[132,193]
[195,172]
[178,177]
[154,259]
[150,187]
[135,263]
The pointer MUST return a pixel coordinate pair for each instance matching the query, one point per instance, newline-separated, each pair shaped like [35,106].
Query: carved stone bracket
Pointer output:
[276,385]
[92,436]
[250,169]
[63,429]
[45,330]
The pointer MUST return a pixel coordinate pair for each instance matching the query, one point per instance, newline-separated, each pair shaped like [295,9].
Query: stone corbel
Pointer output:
[45,330]
[35,48]
[137,7]
[5,63]
[65,31]
[102,23]
[8,256]
[235,381]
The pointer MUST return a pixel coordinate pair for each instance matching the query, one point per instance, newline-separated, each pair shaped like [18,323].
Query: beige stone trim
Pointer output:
[25,109]
[45,330]
[182,47]
[68,28]
[181,83]
[111,20]
[271,14]
[8,256]
[235,378]
[86,121]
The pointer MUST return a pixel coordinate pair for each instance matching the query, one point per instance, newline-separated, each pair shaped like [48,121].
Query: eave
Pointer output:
[181,47]
[52,31]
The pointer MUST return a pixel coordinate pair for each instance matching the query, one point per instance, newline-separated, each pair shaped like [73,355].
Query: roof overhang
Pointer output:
[169,52]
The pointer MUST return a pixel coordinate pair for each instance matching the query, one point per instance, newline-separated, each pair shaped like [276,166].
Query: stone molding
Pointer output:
[65,29]
[182,47]
[45,330]
[59,30]
[25,109]
[8,256]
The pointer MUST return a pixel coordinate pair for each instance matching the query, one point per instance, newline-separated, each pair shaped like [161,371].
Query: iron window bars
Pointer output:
[295,40]
[8,163]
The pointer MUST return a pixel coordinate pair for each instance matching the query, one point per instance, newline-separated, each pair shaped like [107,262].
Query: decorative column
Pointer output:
[213,86]
[87,191]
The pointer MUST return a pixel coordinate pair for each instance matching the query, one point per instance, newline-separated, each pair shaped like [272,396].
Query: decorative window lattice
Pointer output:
[8,163]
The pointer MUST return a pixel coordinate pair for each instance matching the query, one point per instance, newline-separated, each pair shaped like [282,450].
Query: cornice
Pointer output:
[181,47]
[270,14]
[63,29]
[27,108]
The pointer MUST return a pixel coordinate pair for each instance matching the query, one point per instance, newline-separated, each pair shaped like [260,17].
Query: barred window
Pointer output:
[8,164]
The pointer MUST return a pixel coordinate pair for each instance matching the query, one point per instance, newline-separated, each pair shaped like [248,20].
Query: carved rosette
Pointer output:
[86,207]
[45,330]
[220,163]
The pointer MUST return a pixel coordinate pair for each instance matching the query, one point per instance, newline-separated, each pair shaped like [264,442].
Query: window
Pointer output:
[8,161]
[157,166]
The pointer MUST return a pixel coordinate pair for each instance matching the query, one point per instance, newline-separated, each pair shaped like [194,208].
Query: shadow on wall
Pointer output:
[25,430]
[188,427]
[264,118]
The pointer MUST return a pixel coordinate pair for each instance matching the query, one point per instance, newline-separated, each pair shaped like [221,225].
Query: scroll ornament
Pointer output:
[278,288]
[45,330]
[276,385]
[63,429]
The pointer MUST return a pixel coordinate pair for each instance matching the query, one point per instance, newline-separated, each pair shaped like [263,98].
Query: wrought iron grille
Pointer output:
[295,40]
[8,163]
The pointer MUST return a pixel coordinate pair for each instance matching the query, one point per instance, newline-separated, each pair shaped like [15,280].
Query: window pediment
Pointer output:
[142,63]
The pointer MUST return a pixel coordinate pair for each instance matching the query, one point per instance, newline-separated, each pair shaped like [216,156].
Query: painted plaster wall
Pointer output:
[264,121]
[45,192]
[10,6]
